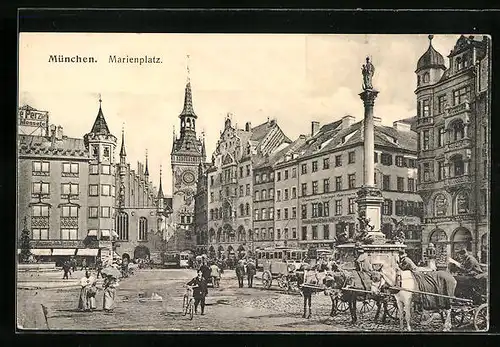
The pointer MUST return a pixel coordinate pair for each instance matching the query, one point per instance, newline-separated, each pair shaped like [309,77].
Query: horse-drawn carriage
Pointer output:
[283,265]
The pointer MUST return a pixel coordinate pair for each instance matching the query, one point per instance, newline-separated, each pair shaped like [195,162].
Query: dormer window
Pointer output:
[426,77]
[459,63]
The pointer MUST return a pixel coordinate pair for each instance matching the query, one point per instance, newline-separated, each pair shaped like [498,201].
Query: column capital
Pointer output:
[368,96]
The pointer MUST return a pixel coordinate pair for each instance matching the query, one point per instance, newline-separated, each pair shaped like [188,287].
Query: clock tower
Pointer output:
[188,151]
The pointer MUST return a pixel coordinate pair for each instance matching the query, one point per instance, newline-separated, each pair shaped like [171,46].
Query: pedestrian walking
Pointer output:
[83,300]
[84,264]
[66,268]
[251,271]
[73,264]
[99,268]
[240,273]
[109,285]
[200,291]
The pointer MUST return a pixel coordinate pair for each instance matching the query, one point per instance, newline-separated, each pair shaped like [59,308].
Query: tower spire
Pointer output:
[188,98]
[123,153]
[100,126]
[160,190]
[146,171]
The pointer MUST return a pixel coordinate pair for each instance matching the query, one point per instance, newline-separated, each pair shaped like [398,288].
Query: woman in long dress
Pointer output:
[109,286]
[83,302]
[91,293]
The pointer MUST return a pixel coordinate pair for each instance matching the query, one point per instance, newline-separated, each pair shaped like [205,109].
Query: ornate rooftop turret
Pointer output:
[431,58]
[100,126]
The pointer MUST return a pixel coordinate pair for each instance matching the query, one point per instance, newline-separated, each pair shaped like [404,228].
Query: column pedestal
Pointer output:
[370,202]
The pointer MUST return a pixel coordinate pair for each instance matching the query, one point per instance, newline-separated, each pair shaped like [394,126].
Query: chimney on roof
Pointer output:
[401,126]
[347,121]
[248,126]
[314,127]
[377,121]
[53,134]
[59,133]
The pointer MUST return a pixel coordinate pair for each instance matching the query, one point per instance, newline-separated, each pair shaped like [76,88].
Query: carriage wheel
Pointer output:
[367,306]
[482,318]
[342,306]
[461,317]
[392,308]
[267,279]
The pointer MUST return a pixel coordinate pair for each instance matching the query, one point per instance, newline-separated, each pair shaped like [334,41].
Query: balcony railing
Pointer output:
[39,222]
[425,120]
[57,244]
[69,222]
[454,110]
[453,181]
[460,144]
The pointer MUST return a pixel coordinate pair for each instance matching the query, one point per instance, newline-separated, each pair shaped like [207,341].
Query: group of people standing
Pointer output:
[89,289]
[247,268]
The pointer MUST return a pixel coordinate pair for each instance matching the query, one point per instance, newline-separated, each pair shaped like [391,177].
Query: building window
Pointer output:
[220,194]
[271,212]
[315,187]
[338,160]
[411,185]
[386,182]
[69,211]
[271,193]
[294,172]
[247,209]
[247,190]
[40,211]
[412,163]
[441,170]
[351,157]
[399,161]
[278,176]
[386,159]
[399,208]
[426,108]
[352,201]
[278,213]
[241,191]
[326,209]
[271,233]
[257,195]
[105,169]
[278,195]
[304,211]
[461,95]
[278,234]
[106,153]
[458,130]
[257,214]
[400,184]
[248,170]
[143,229]
[41,168]
[263,194]
[314,210]
[105,190]
[241,173]
[304,189]
[211,196]
[375,157]
[441,134]
[338,183]
[285,194]
[314,166]
[338,207]
[326,185]
[294,212]
[41,188]
[304,169]
[70,168]
[304,233]
[294,192]
[326,232]
[95,152]
[94,169]
[69,234]
[294,233]
[314,232]
[441,103]
[264,177]
[458,165]
[387,207]
[427,172]
[462,203]
[352,180]
[286,174]
[40,234]
[264,214]
[440,205]
[326,163]
[69,188]
[93,190]
[93,212]
[285,210]
[105,212]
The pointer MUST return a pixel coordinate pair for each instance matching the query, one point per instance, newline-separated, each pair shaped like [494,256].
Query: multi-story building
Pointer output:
[453,111]
[201,210]
[230,184]
[68,197]
[286,185]
[188,152]
[329,169]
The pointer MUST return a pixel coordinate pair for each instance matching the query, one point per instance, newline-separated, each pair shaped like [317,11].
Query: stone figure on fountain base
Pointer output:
[399,236]
[362,231]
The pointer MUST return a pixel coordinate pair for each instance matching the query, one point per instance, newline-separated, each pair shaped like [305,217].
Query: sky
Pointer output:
[294,79]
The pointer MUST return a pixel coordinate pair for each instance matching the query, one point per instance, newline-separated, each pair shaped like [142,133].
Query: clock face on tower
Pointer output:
[188,177]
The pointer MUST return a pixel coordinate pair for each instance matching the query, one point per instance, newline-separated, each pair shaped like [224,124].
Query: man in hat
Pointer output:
[405,263]
[363,263]
[469,265]
[240,273]
[200,291]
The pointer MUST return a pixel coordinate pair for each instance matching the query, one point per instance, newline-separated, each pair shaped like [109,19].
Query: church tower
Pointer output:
[187,153]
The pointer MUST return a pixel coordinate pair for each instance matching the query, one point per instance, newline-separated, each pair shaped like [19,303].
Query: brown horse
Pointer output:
[338,284]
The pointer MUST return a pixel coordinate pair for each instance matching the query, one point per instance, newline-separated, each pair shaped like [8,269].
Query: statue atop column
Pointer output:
[367,70]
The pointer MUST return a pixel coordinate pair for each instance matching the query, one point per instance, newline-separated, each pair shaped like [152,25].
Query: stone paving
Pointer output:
[229,308]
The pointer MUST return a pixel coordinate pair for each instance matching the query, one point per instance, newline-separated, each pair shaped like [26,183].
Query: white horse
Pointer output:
[404,297]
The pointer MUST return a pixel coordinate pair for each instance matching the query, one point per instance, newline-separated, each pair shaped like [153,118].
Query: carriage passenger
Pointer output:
[363,262]
[469,265]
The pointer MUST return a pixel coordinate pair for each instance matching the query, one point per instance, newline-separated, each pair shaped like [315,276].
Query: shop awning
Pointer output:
[89,252]
[41,251]
[92,232]
[63,251]
[105,233]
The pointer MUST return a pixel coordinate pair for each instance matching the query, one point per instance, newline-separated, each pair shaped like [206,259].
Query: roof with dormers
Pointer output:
[33,145]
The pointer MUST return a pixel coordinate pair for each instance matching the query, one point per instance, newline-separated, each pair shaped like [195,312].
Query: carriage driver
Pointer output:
[405,263]
[363,262]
